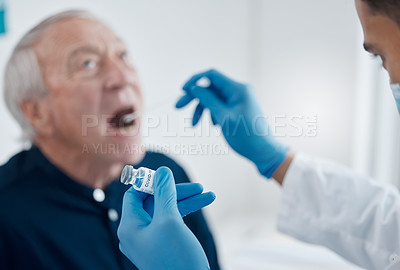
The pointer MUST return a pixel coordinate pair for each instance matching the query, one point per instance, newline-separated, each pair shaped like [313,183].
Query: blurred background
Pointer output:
[322,95]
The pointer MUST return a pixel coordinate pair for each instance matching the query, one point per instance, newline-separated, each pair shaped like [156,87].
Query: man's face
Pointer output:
[381,38]
[92,88]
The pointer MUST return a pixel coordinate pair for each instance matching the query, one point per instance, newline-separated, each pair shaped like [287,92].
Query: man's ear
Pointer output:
[38,115]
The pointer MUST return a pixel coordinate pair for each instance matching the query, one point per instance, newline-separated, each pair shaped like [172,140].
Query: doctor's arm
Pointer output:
[328,204]
[322,203]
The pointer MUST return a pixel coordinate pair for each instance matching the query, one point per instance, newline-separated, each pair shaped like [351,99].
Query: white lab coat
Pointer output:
[327,204]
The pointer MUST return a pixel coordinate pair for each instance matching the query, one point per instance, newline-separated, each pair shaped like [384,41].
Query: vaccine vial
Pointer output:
[141,179]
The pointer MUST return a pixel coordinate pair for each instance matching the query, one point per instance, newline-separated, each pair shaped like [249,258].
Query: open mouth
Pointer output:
[124,118]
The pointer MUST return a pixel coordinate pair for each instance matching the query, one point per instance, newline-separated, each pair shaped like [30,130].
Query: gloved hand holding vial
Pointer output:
[189,195]
[146,238]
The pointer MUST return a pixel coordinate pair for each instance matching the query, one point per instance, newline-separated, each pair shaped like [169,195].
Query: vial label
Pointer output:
[141,179]
[144,180]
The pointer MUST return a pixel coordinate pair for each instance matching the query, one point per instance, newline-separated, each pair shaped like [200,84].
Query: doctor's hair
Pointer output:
[389,8]
[23,77]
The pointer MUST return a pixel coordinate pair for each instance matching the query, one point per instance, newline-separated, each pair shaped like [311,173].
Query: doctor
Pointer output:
[322,203]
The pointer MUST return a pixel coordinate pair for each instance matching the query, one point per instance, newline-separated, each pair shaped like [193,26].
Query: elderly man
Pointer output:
[71,87]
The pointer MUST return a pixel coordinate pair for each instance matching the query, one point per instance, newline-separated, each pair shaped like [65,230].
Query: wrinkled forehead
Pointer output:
[67,35]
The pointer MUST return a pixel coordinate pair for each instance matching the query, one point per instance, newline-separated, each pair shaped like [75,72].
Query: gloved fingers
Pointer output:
[183,101]
[215,123]
[165,203]
[219,83]
[186,190]
[148,205]
[197,114]
[183,191]
[209,100]
[194,203]
[193,80]
[132,208]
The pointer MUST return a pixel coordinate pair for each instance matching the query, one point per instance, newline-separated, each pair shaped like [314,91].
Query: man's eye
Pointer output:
[89,64]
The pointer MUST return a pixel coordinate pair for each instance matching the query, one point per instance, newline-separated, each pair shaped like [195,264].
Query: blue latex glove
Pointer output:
[234,107]
[189,197]
[2,17]
[162,241]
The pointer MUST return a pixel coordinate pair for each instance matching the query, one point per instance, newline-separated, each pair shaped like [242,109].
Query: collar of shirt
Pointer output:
[36,161]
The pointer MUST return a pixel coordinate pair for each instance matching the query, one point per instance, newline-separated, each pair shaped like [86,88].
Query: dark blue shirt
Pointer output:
[49,221]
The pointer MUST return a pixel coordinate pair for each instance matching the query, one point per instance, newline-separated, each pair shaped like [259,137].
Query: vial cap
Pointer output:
[127,174]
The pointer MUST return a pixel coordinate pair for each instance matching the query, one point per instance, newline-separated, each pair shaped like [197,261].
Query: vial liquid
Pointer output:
[141,179]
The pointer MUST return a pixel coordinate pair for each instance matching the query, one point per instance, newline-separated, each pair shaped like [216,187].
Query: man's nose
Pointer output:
[117,75]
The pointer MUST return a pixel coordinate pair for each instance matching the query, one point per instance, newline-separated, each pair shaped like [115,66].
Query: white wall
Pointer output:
[301,56]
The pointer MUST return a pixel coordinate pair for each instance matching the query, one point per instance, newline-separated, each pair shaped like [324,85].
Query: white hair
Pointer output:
[23,77]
